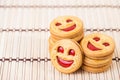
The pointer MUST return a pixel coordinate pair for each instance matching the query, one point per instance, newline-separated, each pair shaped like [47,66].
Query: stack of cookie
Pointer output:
[98,50]
[65,27]
[66,54]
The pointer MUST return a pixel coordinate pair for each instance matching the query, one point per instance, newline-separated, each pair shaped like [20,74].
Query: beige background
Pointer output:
[37,14]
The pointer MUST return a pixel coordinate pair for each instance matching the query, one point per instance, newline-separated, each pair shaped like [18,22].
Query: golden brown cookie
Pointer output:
[51,42]
[96,70]
[97,63]
[66,26]
[101,58]
[76,38]
[66,56]
[97,45]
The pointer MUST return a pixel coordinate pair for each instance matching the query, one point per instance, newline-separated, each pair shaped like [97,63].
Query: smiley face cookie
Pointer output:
[97,46]
[66,27]
[66,56]
[98,50]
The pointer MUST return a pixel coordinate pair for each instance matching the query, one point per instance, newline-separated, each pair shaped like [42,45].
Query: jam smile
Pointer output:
[69,28]
[64,63]
[92,47]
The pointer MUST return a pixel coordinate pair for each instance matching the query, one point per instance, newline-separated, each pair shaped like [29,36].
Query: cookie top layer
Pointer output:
[66,26]
[66,55]
[97,45]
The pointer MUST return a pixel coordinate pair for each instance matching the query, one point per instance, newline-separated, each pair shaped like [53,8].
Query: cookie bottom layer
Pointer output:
[97,63]
[96,70]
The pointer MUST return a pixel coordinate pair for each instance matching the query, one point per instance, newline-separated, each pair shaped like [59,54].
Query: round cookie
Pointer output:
[66,26]
[66,56]
[97,63]
[96,70]
[97,45]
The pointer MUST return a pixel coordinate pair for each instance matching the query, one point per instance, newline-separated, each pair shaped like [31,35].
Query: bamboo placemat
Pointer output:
[24,33]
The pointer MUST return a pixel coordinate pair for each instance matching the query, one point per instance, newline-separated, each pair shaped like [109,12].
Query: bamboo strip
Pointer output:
[1,44]
[52,2]
[41,18]
[34,45]
[5,71]
[44,70]
[118,65]
[1,69]
[114,71]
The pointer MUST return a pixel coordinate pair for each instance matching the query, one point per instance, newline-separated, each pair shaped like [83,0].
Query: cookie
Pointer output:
[66,56]
[66,27]
[97,45]
[101,58]
[76,38]
[97,63]
[51,42]
[96,70]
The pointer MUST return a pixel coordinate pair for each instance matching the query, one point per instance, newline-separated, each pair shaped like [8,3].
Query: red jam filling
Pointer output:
[106,44]
[58,24]
[65,63]
[92,47]
[69,20]
[60,49]
[96,38]
[69,28]
[72,52]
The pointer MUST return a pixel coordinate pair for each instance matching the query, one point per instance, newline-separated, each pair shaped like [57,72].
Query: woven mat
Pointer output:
[24,33]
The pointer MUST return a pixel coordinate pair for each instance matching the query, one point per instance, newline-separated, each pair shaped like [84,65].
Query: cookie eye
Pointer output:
[72,52]
[68,20]
[106,44]
[58,24]
[96,38]
[60,49]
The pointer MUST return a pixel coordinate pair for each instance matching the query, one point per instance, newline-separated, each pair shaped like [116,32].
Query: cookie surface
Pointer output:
[97,45]
[66,56]
[97,63]
[66,26]
[51,43]
[76,38]
[96,70]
